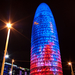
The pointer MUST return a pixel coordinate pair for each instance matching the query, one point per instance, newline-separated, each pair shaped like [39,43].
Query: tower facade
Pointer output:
[45,52]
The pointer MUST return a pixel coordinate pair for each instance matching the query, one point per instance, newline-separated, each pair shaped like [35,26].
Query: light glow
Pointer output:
[12,60]
[7,56]
[69,63]
[10,72]
[8,25]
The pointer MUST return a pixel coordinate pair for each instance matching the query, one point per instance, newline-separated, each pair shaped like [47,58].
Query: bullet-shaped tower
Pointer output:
[45,52]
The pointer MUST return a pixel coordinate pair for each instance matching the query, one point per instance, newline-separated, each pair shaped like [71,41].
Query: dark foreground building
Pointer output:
[45,52]
[16,70]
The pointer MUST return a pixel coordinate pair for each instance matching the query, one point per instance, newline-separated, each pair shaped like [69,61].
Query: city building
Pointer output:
[16,70]
[45,52]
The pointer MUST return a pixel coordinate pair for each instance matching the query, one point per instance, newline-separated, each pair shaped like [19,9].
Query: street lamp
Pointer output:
[6,45]
[12,67]
[70,63]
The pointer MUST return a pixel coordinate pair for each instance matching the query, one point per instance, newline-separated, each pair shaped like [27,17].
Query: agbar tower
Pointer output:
[45,52]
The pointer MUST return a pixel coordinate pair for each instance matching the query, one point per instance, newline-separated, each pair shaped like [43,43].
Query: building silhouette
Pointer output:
[45,52]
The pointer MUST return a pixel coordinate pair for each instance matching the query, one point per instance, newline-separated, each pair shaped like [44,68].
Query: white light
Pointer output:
[10,72]
[69,63]
[8,25]
[7,56]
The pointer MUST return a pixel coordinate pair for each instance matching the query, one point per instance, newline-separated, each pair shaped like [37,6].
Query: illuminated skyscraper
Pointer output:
[45,52]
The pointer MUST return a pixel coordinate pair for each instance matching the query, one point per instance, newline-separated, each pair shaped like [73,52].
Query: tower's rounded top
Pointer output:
[43,7]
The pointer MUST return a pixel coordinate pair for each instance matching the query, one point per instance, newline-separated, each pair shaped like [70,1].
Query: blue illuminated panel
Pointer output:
[45,53]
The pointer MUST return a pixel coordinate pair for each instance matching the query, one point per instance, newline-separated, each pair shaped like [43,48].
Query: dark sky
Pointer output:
[22,13]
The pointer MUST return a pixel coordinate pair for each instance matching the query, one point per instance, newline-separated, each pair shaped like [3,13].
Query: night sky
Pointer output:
[21,13]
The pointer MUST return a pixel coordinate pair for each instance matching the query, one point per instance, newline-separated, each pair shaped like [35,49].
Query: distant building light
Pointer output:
[7,56]
[10,72]
[10,64]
